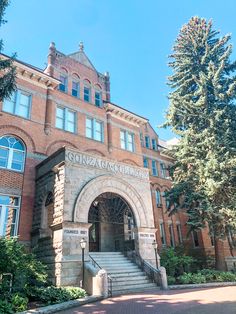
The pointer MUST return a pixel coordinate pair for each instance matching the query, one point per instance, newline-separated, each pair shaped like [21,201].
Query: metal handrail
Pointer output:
[152,272]
[109,278]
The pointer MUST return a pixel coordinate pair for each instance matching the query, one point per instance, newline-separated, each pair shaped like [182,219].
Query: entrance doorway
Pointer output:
[113,224]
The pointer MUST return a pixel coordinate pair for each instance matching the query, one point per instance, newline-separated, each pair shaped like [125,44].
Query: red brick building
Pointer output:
[68,106]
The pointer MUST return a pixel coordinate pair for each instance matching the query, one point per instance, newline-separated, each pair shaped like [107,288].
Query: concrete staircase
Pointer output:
[126,276]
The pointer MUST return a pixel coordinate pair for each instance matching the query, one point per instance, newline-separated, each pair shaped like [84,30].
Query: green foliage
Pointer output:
[51,294]
[24,267]
[202,113]
[7,79]
[6,307]
[175,261]
[19,302]
[171,280]
[206,275]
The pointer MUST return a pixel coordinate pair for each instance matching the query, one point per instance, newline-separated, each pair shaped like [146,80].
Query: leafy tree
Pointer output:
[7,77]
[202,113]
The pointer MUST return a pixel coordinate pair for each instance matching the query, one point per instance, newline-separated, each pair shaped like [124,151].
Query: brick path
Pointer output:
[201,301]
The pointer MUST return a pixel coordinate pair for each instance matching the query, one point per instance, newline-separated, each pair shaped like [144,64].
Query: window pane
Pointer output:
[145,162]
[71,127]
[9,104]
[122,139]
[3,157]
[147,141]
[59,123]
[75,89]
[60,118]
[60,112]
[98,131]
[23,105]
[4,141]
[98,99]
[89,128]
[87,94]
[63,84]
[158,198]
[154,168]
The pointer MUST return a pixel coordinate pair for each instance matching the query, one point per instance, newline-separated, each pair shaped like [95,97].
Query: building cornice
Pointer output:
[124,115]
[33,75]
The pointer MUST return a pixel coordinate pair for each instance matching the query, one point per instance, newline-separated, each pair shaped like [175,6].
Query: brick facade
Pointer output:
[42,139]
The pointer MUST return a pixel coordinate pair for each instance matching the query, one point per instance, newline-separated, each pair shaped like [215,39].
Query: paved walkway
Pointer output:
[201,301]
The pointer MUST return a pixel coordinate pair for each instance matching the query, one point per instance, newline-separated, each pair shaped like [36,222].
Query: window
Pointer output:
[127,140]
[172,238]
[65,119]
[94,129]
[12,153]
[18,104]
[75,89]
[9,215]
[87,91]
[167,203]
[98,96]
[158,198]
[141,139]
[162,234]
[195,238]
[154,144]
[179,232]
[145,162]
[63,84]
[163,170]
[154,168]
[147,141]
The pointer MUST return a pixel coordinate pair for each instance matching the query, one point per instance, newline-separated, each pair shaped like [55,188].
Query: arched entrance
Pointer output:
[112,222]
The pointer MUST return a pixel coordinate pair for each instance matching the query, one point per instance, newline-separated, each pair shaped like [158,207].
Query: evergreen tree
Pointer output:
[7,77]
[202,113]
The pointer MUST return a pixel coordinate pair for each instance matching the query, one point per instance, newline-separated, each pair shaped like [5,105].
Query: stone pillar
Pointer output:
[49,113]
[143,244]
[107,86]
[109,132]
[163,278]
[51,58]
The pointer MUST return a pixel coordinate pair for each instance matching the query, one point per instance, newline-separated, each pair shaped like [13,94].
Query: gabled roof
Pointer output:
[81,57]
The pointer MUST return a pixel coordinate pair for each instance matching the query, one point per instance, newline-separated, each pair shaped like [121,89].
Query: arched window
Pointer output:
[87,91]
[166,199]
[75,91]
[98,96]
[12,153]
[158,198]
[63,86]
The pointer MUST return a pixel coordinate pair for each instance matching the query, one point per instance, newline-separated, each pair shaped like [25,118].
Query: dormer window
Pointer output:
[75,91]
[63,84]
[87,91]
[98,96]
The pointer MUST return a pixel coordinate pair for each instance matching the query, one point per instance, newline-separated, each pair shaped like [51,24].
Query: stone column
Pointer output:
[109,132]
[49,113]
[143,244]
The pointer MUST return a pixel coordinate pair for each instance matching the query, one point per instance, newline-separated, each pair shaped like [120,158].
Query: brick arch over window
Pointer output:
[103,184]
[21,134]
[130,162]
[54,146]
[95,152]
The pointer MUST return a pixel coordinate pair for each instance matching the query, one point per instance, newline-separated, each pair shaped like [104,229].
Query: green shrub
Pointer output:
[6,307]
[185,278]
[51,295]
[175,261]
[171,280]
[26,270]
[19,303]
[198,278]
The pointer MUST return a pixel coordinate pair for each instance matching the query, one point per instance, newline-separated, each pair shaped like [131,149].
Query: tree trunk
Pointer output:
[219,254]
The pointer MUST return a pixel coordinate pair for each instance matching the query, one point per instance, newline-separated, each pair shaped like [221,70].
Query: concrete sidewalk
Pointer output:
[198,301]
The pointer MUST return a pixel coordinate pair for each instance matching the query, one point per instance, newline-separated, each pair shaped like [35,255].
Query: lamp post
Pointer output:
[155,245]
[83,246]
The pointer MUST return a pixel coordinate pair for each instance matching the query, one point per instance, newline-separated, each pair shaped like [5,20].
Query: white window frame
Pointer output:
[154,168]
[126,141]
[163,170]
[65,119]
[93,129]
[154,144]
[3,215]
[15,100]
[10,154]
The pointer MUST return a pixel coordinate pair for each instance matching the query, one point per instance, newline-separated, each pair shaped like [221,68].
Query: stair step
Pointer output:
[123,291]
[129,287]
[124,277]
[134,281]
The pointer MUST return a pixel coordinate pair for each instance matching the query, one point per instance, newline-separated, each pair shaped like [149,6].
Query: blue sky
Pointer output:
[129,38]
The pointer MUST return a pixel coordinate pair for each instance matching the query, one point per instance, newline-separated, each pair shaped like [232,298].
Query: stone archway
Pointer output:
[103,184]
